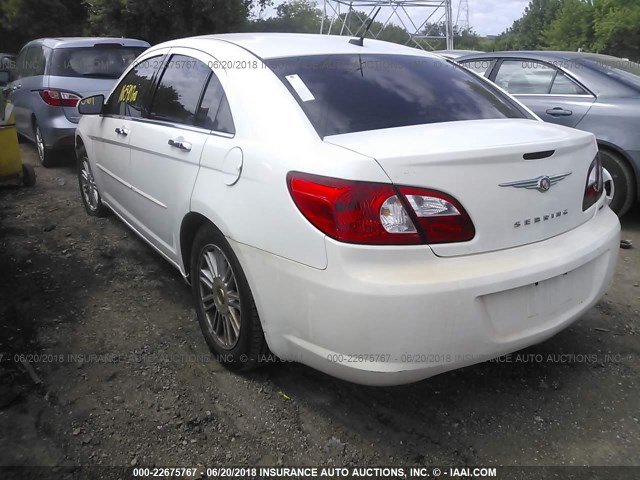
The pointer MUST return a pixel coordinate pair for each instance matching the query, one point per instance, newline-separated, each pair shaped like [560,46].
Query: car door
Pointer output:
[124,107]
[548,91]
[166,148]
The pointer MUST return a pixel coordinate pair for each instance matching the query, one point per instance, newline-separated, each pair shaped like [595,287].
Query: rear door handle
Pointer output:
[122,131]
[181,144]
[559,112]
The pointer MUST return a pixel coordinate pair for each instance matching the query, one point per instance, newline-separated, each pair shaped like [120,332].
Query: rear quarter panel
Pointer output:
[615,122]
[275,138]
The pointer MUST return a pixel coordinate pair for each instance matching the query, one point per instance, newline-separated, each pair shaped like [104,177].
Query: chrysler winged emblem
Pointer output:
[542,184]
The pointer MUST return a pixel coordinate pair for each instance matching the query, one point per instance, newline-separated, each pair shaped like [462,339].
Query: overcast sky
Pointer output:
[487,17]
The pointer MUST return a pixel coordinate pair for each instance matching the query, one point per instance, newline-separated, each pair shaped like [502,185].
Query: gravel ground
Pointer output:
[103,363]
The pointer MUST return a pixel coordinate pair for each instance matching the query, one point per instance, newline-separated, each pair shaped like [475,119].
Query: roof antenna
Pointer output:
[360,41]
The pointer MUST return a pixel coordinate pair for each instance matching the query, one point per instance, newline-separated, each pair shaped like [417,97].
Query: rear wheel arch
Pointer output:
[79,144]
[225,305]
[45,154]
[191,223]
[34,123]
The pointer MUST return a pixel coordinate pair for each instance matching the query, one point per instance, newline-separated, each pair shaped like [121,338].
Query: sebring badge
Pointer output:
[542,184]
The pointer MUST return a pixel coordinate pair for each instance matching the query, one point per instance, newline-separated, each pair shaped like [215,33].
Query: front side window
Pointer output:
[129,96]
[179,90]
[93,62]
[525,77]
[354,93]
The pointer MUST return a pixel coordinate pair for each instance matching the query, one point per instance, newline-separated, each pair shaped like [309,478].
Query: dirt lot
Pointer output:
[103,363]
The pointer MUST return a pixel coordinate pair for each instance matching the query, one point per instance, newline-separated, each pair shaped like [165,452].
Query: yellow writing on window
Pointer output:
[128,94]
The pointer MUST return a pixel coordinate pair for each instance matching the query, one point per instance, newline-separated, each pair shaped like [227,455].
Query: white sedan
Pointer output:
[373,211]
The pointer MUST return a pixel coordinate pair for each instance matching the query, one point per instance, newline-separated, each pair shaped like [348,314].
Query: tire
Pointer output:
[45,155]
[226,311]
[88,189]
[28,175]
[623,180]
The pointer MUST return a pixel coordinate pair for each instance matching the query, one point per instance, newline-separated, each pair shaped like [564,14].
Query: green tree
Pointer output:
[572,29]
[617,28]
[299,16]
[159,20]
[24,20]
[152,20]
[529,32]
[606,26]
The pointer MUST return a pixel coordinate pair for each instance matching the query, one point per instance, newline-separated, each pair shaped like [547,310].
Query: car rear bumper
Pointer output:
[384,316]
[57,131]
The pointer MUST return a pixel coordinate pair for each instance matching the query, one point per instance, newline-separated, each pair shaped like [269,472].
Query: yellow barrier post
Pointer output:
[12,170]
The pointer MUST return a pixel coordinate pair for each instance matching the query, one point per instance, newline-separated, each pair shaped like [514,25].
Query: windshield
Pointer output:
[353,93]
[97,62]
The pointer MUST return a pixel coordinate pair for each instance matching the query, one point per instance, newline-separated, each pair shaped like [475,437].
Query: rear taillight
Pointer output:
[351,211]
[56,98]
[378,213]
[441,217]
[594,187]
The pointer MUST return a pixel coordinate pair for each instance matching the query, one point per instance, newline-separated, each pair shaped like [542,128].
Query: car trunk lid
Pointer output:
[482,164]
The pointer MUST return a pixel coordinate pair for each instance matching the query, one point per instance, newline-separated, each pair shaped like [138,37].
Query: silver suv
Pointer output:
[52,74]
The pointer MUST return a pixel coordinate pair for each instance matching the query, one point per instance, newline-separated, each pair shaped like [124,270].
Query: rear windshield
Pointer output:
[354,93]
[96,62]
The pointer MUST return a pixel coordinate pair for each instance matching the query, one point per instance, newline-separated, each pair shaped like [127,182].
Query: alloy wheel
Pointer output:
[40,145]
[89,187]
[219,297]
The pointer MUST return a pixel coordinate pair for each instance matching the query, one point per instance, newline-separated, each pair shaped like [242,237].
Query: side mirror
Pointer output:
[4,77]
[91,105]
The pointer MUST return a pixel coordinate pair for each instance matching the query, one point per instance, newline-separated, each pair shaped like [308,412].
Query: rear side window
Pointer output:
[93,62]
[179,90]
[18,71]
[563,85]
[214,113]
[31,62]
[129,96]
[353,93]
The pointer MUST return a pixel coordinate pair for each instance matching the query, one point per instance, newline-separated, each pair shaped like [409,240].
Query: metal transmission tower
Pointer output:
[462,19]
[422,19]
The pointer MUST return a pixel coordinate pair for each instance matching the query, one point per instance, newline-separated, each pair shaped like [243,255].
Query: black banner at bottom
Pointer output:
[320,473]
